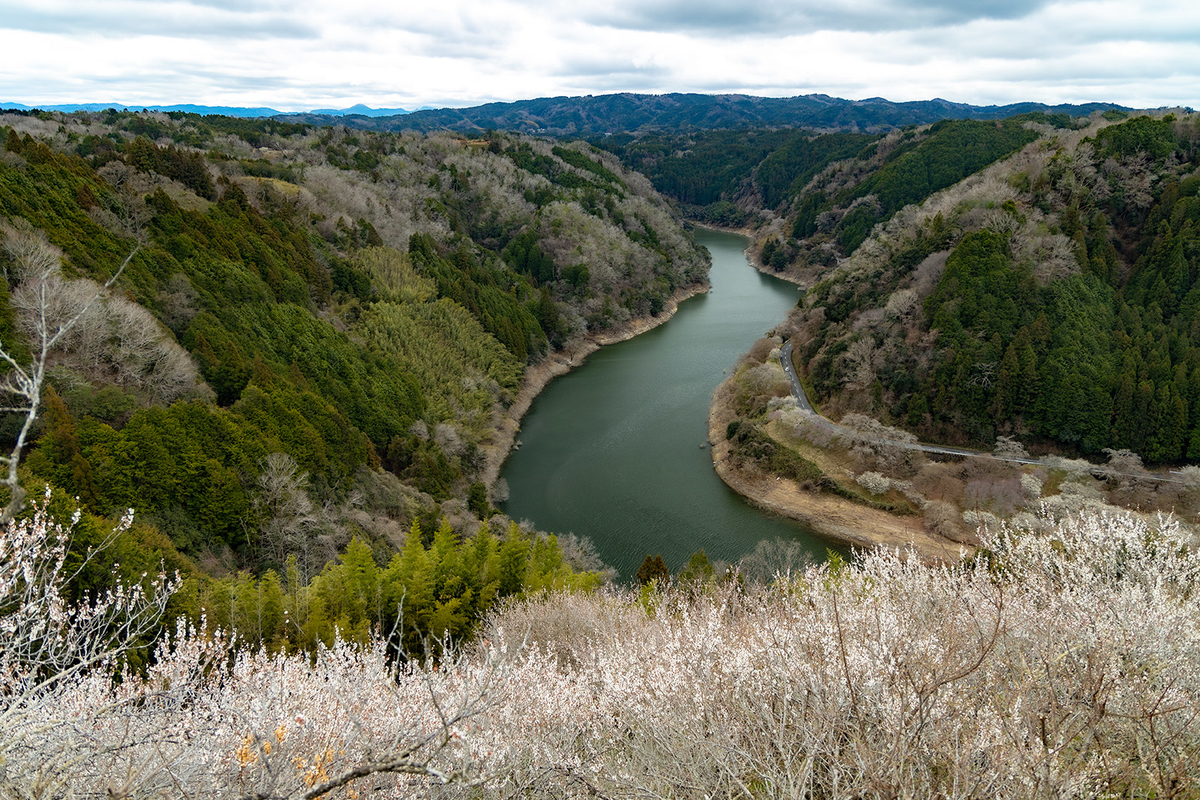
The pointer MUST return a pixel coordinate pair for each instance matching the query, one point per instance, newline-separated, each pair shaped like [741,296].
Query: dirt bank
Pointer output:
[538,375]
[829,515]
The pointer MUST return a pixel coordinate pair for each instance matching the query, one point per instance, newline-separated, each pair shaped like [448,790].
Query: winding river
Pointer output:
[617,450]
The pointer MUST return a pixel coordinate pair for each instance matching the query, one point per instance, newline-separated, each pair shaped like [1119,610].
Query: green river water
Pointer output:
[616,450]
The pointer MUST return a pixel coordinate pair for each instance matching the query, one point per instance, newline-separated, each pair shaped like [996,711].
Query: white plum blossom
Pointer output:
[1058,663]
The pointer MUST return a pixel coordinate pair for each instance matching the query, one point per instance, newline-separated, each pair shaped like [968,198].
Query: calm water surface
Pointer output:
[616,450]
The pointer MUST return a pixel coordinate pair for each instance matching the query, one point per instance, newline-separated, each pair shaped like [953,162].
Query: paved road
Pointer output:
[789,369]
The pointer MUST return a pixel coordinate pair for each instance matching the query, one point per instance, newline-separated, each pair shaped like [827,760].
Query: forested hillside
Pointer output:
[1046,297]
[814,196]
[1044,304]
[728,177]
[314,337]
[1050,297]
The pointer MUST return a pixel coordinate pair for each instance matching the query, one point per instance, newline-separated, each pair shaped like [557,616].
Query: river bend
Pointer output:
[616,450]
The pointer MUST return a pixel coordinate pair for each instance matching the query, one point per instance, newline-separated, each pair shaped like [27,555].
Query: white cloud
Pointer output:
[726,17]
[307,54]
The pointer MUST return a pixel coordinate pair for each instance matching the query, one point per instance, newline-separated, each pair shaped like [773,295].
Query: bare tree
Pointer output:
[35,268]
[862,360]
[290,523]
[773,559]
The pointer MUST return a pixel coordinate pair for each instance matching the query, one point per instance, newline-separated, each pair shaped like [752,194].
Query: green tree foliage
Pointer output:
[189,467]
[996,358]
[59,458]
[1143,134]
[46,193]
[186,460]
[481,292]
[391,276]
[431,589]
[477,500]
[525,157]
[190,169]
[699,570]
[1090,354]
[921,165]
[787,170]
[581,161]
[446,351]
[524,255]
[700,168]
[653,570]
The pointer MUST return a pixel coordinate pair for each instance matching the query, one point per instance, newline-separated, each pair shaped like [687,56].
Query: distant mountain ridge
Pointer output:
[229,111]
[637,113]
[604,114]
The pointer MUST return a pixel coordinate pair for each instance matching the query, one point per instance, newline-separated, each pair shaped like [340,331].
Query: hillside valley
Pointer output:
[316,340]
[296,353]
[1019,287]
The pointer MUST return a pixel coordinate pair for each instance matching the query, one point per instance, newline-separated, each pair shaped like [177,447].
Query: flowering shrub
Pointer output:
[1064,663]
[52,648]
[873,482]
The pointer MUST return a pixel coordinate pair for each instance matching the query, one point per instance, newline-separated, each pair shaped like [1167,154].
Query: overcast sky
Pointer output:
[300,54]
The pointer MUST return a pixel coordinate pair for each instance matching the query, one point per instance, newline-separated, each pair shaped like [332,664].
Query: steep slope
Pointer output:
[349,303]
[813,196]
[1046,305]
[1050,296]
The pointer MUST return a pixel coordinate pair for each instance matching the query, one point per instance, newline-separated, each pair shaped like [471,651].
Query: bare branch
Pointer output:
[36,270]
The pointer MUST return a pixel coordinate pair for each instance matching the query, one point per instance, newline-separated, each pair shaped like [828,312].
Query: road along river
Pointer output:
[616,450]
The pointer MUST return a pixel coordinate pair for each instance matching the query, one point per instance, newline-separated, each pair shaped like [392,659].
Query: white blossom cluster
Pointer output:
[1062,664]
[874,482]
[52,648]
[43,633]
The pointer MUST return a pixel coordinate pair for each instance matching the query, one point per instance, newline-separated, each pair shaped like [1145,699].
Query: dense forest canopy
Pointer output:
[709,172]
[811,183]
[1050,297]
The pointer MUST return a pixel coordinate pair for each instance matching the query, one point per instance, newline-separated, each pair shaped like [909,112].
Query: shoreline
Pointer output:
[560,362]
[748,232]
[830,516]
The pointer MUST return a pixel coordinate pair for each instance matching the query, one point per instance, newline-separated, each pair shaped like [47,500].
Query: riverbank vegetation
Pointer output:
[875,466]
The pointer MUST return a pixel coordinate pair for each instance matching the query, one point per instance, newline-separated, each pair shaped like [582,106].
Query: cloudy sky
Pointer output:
[299,54]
